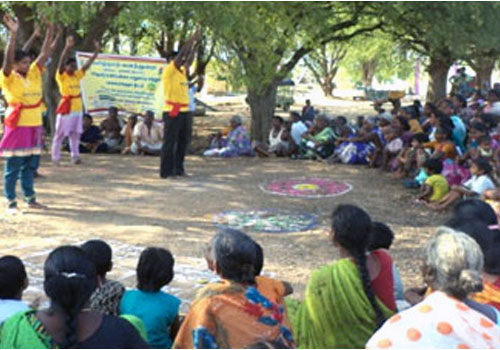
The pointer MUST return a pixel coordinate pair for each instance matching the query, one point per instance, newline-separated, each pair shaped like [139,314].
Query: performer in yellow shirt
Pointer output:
[70,110]
[177,119]
[21,144]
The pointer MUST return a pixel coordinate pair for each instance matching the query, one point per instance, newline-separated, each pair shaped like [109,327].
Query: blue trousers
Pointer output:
[23,168]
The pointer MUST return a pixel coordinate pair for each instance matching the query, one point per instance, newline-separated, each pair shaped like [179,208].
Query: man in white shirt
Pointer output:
[494,102]
[147,136]
[298,128]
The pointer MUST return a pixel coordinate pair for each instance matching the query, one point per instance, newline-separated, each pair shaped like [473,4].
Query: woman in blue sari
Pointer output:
[361,149]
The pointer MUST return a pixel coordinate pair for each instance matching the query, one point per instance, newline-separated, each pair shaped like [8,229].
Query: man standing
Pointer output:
[177,120]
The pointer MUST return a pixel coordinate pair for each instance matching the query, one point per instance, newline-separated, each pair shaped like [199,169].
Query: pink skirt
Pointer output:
[68,124]
[22,141]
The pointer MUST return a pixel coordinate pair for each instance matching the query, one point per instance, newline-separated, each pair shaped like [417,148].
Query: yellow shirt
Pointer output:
[26,90]
[69,85]
[175,87]
[440,187]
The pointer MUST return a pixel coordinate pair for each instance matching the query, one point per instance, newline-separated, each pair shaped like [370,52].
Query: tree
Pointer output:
[270,38]
[444,32]
[428,29]
[481,49]
[376,55]
[86,21]
[324,64]
[168,25]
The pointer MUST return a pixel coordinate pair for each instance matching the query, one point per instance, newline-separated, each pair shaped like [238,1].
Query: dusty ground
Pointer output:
[123,200]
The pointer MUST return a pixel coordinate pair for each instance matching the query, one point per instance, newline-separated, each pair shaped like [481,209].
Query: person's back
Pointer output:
[26,330]
[439,185]
[157,310]
[273,289]
[69,280]
[298,129]
[347,300]
[233,313]
[106,297]
[13,281]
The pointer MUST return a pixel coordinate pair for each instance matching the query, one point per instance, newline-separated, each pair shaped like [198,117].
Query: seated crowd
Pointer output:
[449,150]
[140,135]
[355,301]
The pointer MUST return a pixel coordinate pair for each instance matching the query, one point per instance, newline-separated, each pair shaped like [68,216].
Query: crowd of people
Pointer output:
[22,141]
[139,135]
[449,150]
[356,301]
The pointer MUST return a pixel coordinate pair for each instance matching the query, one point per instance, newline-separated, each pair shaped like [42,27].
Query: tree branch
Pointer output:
[101,23]
[304,50]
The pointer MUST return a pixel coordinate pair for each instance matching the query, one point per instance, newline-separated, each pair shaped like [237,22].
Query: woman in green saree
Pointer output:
[318,142]
[69,280]
[345,302]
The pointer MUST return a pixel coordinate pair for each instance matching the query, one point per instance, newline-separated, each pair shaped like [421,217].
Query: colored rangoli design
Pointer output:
[306,187]
[268,221]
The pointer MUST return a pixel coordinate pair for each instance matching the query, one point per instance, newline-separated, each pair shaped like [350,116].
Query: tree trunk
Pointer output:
[116,44]
[438,77]
[368,72]
[262,104]
[133,46]
[483,66]
[25,14]
[327,86]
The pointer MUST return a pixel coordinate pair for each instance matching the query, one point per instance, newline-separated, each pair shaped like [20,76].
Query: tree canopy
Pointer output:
[257,44]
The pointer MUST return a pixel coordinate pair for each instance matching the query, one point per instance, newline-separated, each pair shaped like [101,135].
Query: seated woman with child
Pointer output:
[235,144]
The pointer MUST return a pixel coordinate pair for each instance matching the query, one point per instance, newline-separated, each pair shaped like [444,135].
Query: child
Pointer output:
[473,188]
[484,149]
[395,143]
[382,238]
[21,143]
[13,281]
[272,289]
[70,109]
[158,310]
[436,186]
[442,147]
[413,158]
[107,296]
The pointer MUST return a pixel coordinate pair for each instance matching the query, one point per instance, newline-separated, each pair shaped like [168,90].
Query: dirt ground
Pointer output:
[122,199]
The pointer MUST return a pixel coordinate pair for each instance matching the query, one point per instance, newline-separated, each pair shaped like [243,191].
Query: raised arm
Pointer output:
[89,62]
[53,45]
[8,60]
[186,49]
[190,58]
[46,46]
[36,34]
[70,42]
